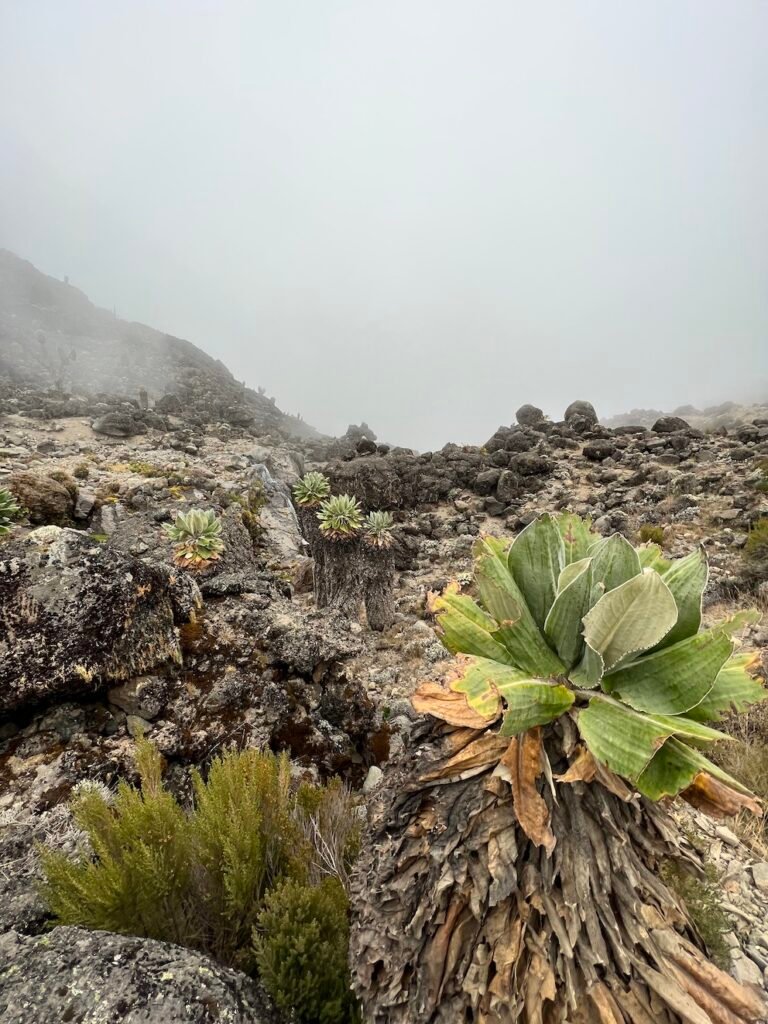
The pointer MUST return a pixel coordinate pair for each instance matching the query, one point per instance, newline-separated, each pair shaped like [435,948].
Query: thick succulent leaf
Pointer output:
[466,629]
[675,679]
[686,578]
[533,702]
[734,689]
[516,629]
[736,622]
[570,572]
[620,738]
[614,561]
[625,740]
[674,767]
[500,595]
[563,627]
[482,682]
[589,672]
[632,618]
[536,559]
[651,557]
[577,536]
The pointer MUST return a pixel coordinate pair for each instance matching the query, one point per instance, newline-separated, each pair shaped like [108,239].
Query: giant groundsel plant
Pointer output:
[513,874]
[569,623]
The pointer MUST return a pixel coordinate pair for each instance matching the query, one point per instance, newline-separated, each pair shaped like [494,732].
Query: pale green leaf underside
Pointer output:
[614,561]
[632,618]
[577,536]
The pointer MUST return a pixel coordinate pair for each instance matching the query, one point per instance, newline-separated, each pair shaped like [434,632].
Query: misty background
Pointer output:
[421,214]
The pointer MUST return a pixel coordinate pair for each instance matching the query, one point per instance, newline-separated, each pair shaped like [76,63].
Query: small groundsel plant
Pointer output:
[377,529]
[340,517]
[197,538]
[9,511]
[312,489]
[241,877]
[568,623]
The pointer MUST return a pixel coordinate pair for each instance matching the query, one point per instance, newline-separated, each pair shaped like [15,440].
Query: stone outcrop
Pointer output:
[100,978]
[75,613]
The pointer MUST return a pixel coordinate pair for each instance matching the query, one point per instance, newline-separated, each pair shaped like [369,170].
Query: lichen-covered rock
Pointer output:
[47,501]
[75,613]
[99,978]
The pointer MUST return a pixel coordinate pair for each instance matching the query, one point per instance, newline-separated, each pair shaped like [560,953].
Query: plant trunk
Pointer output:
[341,569]
[458,918]
[310,528]
[379,586]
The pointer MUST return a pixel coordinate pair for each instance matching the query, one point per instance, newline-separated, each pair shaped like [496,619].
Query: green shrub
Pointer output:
[701,897]
[649,534]
[9,510]
[145,469]
[197,878]
[756,548]
[301,946]
[81,471]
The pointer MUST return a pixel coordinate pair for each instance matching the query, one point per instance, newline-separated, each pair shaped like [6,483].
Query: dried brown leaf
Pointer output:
[476,757]
[582,768]
[520,766]
[434,699]
[718,800]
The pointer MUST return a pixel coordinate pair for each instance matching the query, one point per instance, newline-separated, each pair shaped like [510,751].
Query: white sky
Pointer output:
[421,213]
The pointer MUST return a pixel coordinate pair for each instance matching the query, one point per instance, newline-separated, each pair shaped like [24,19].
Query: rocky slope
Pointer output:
[99,639]
[76,358]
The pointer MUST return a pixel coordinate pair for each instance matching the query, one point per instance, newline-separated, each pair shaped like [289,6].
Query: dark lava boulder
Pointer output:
[599,450]
[670,425]
[580,416]
[528,415]
[169,405]
[48,501]
[74,613]
[95,977]
[118,424]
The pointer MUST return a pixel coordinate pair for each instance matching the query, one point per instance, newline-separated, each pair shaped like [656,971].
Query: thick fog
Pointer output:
[421,213]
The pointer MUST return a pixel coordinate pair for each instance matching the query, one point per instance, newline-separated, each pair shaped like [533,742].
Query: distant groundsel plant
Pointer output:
[340,517]
[312,489]
[197,538]
[377,529]
[9,510]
